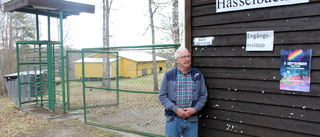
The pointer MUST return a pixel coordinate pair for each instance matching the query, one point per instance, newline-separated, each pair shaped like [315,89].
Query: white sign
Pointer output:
[260,40]
[234,5]
[205,41]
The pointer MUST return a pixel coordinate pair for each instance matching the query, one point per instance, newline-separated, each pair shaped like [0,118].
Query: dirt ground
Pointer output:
[65,129]
[40,122]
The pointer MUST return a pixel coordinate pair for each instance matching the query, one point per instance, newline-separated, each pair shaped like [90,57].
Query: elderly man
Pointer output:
[183,93]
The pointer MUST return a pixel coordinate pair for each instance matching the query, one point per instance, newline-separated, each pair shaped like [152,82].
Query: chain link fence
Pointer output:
[74,96]
[120,86]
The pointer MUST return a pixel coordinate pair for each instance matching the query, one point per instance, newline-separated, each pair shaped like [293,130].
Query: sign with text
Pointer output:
[205,41]
[234,5]
[295,69]
[260,40]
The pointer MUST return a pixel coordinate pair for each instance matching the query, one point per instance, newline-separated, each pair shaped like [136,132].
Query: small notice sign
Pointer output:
[260,40]
[204,41]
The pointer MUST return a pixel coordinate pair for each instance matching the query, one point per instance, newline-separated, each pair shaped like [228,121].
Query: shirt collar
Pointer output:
[189,71]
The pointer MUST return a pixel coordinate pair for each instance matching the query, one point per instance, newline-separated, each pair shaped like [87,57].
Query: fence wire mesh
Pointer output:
[120,87]
[74,96]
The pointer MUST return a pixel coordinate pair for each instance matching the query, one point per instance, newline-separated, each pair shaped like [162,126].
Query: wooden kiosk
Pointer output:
[244,85]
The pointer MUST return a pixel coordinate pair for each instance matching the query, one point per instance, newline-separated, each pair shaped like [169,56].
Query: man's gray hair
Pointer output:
[176,54]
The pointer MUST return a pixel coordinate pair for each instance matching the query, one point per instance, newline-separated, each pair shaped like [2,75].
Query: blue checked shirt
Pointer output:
[184,88]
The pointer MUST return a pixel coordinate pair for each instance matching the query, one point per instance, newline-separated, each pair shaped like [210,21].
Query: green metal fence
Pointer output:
[120,87]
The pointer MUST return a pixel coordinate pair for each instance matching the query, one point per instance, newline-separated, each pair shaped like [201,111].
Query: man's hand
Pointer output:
[181,113]
[190,111]
[186,112]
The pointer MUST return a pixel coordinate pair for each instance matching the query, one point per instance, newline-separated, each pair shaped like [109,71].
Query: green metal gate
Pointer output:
[98,82]
[76,82]
[127,101]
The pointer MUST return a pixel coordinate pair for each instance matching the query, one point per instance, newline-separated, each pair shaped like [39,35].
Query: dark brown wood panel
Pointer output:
[253,74]
[236,51]
[209,132]
[279,25]
[267,110]
[295,100]
[258,86]
[244,95]
[237,62]
[258,125]
[245,62]
[188,35]
[241,129]
[204,10]
[261,14]
[203,2]
[236,73]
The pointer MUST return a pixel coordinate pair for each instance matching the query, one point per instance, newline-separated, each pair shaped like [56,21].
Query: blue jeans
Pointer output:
[178,126]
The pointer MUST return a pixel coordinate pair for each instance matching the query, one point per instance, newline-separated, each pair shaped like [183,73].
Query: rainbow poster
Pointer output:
[295,69]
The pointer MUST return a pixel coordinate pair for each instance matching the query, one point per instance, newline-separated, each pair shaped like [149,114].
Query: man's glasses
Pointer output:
[184,57]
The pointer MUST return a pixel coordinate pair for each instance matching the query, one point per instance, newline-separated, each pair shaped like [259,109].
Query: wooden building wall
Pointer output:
[244,98]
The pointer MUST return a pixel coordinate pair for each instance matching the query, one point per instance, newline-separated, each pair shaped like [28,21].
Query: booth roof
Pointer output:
[48,7]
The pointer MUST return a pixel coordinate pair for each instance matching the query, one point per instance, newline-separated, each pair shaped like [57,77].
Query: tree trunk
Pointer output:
[154,70]
[175,21]
[106,60]
[107,42]
[104,42]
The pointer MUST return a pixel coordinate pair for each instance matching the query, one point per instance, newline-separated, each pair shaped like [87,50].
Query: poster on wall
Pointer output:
[295,69]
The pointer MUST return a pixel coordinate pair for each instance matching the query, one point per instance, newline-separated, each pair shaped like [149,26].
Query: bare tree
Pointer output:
[151,14]
[66,31]
[13,27]
[154,69]
[153,8]
[175,21]
[170,25]
[106,59]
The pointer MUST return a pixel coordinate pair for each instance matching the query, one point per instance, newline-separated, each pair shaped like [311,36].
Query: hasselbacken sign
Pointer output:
[234,5]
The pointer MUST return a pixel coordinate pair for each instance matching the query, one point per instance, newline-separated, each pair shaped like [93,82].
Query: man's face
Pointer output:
[184,59]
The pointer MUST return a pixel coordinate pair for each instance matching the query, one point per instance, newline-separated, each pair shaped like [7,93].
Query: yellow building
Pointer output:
[131,64]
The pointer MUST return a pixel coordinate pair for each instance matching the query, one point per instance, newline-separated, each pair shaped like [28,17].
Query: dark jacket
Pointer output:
[167,93]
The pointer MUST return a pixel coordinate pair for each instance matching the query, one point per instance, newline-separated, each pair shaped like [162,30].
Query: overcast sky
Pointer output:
[128,21]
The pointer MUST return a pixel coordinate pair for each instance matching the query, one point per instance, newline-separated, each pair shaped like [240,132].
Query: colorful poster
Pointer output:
[295,69]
